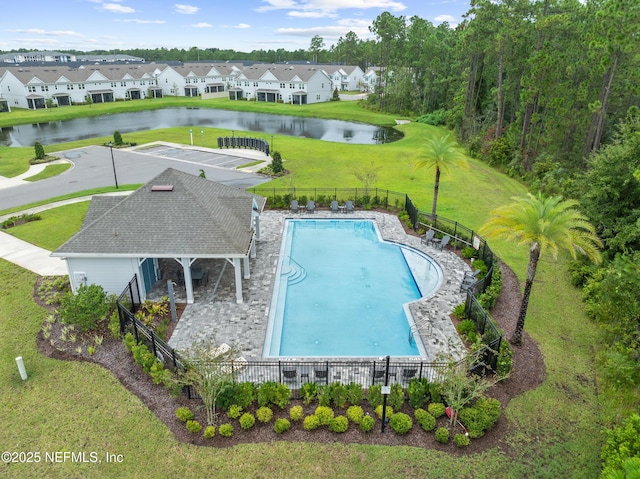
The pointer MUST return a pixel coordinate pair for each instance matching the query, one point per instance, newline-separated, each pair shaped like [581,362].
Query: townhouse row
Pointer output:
[35,87]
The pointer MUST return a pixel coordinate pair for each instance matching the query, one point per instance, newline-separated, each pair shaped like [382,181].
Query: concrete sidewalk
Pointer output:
[30,257]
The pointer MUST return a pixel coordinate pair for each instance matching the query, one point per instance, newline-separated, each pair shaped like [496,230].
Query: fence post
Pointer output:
[153,344]
[135,330]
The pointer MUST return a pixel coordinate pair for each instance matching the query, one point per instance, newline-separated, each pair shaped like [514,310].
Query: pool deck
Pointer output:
[216,316]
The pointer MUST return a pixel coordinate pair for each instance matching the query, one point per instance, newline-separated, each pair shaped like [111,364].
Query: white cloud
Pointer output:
[445,18]
[116,8]
[186,9]
[323,7]
[242,25]
[202,25]
[134,20]
[298,14]
[276,5]
[51,33]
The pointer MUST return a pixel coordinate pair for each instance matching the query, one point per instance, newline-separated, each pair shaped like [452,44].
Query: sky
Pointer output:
[241,25]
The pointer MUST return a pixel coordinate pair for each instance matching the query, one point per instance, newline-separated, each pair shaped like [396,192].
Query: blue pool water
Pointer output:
[341,292]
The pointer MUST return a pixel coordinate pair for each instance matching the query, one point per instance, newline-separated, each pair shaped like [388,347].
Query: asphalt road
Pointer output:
[92,168]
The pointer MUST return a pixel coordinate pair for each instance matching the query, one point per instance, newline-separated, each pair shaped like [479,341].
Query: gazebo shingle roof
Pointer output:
[197,218]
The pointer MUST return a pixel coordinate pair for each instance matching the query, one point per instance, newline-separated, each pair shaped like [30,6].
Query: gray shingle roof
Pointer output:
[198,218]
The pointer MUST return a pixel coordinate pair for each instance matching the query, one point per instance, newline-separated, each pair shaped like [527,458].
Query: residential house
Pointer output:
[295,84]
[345,77]
[175,216]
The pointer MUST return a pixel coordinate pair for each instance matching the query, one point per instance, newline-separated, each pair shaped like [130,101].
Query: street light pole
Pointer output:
[113,163]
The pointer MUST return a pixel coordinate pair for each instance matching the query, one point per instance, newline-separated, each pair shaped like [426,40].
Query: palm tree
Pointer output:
[542,224]
[439,153]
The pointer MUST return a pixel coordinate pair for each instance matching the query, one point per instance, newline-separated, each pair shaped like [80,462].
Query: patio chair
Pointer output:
[443,243]
[311,206]
[378,375]
[409,373]
[348,207]
[294,206]
[428,237]
[289,374]
[334,206]
[321,375]
[470,278]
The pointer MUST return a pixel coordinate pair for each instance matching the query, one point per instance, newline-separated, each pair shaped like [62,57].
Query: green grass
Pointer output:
[555,428]
[56,226]
[49,171]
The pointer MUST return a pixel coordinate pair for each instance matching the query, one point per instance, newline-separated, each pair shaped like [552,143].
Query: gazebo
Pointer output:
[175,215]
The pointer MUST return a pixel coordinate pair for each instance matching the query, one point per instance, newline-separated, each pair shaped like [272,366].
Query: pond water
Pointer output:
[105,125]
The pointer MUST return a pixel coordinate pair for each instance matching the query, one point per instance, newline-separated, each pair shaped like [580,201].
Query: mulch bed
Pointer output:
[527,373]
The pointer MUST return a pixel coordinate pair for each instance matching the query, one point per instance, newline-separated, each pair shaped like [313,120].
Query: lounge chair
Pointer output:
[470,278]
[289,374]
[311,206]
[321,375]
[294,206]
[428,237]
[442,244]
[409,373]
[348,207]
[334,206]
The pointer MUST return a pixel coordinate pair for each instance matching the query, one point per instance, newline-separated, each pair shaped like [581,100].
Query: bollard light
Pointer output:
[21,368]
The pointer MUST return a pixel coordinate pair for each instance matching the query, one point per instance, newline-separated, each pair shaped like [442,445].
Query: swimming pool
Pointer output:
[341,291]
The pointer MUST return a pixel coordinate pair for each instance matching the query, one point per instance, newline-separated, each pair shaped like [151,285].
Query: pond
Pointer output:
[105,125]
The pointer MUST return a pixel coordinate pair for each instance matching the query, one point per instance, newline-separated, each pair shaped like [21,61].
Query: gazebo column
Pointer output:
[237,266]
[247,273]
[188,283]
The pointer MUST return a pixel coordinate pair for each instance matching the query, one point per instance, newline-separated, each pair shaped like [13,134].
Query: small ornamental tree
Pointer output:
[117,138]
[39,150]
[276,163]
[207,371]
[336,95]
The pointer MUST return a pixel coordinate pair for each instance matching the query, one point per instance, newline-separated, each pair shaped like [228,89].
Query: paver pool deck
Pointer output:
[216,316]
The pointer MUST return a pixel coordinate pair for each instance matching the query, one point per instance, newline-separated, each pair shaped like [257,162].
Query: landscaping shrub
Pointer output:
[374,396]
[435,118]
[338,393]
[466,327]
[129,341]
[311,423]
[459,311]
[461,440]
[389,412]
[396,397]
[324,414]
[426,420]
[114,324]
[442,435]
[417,390]
[281,425]
[324,396]
[234,411]
[117,138]
[296,413]
[401,423]
[274,393]
[434,392]
[469,252]
[209,432]
[338,424]
[276,162]
[355,414]
[247,420]
[355,394]
[242,394]
[193,426]
[184,414]
[622,443]
[264,414]
[39,150]
[505,358]
[436,409]
[308,391]
[225,430]
[480,417]
[85,308]
[367,423]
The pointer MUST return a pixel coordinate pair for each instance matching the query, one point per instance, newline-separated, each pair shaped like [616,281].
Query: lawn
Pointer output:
[555,429]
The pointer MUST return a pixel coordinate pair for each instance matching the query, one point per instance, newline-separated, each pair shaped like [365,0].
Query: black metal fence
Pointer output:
[244,142]
[364,198]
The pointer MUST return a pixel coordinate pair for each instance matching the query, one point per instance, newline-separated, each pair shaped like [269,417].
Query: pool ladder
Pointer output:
[295,272]
[425,327]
